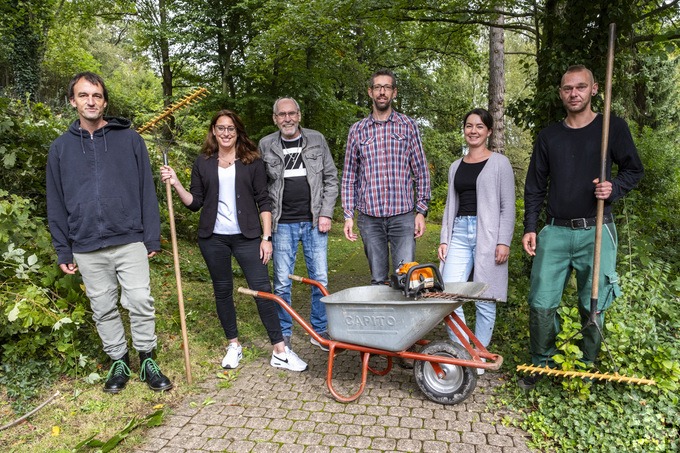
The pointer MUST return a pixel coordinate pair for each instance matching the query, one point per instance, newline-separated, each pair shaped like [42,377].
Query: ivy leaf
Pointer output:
[93,378]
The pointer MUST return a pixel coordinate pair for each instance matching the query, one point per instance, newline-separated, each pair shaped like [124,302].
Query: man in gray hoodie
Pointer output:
[103,214]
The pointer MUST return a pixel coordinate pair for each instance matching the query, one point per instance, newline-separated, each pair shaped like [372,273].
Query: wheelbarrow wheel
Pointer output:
[459,381]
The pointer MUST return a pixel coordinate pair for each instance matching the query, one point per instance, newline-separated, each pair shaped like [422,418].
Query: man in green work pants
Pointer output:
[565,169]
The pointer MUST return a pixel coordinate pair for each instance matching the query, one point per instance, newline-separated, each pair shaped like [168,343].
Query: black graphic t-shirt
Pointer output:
[295,206]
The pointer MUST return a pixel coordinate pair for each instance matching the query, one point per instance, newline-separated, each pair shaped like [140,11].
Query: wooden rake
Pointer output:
[187,100]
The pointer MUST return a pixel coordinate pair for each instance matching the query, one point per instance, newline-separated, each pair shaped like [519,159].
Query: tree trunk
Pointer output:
[166,68]
[497,85]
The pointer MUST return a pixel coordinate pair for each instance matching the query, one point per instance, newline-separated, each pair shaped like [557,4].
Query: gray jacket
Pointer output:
[322,175]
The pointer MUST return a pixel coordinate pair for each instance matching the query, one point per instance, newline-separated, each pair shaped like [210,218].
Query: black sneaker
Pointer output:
[323,335]
[529,382]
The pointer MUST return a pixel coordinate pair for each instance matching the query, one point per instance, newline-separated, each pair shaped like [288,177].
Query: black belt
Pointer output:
[582,223]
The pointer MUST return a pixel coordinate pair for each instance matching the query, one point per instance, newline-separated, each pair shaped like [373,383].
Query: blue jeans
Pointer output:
[385,236]
[217,251]
[314,248]
[460,260]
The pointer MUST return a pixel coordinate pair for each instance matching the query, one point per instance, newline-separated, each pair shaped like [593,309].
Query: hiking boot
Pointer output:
[118,376]
[151,374]
[323,335]
[233,356]
[529,382]
[288,360]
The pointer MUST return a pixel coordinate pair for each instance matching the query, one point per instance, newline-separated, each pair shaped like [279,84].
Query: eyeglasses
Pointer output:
[222,129]
[580,88]
[382,87]
[282,115]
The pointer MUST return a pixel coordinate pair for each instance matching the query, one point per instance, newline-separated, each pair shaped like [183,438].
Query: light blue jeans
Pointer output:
[104,272]
[460,260]
[314,248]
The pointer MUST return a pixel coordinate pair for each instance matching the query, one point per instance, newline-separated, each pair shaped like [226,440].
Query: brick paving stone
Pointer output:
[320,417]
[422,434]
[395,432]
[241,446]
[288,448]
[237,433]
[355,409]
[488,449]
[168,449]
[459,426]
[153,444]
[501,441]
[235,422]
[327,428]
[298,415]
[217,445]
[468,416]
[285,437]
[260,435]
[232,410]
[313,406]
[208,419]
[409,445]
[509,430]
[318,449]
[432,446]
[480,427]
[433,423]
[303,426]
[257,422]
[358,442]
[343,450]
[192,429]
[442,414]
[280,424]
[488,417]
[253,411]
[382,443]
[214,432]
[309,438]
[411,422]
[387,420]
[187,442]
[165,432]
[343,419]
[349,429]
[473,438]
[448,436]
[421,412]
[365,419]
[376,410]
[291,405]
[334,440]
[265,447]
[373,431]
[412,401]
[176,420]
[397,411]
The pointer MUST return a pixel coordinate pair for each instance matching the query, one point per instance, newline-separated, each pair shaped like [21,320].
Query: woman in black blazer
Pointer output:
[229,183]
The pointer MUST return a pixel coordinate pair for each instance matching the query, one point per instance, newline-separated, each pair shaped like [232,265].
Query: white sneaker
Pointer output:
[288,360]
[233,356]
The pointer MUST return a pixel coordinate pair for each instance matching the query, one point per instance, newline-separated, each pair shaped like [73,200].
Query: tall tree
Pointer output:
[497,84]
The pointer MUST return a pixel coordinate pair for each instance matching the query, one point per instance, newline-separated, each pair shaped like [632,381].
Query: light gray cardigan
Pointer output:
[495,221]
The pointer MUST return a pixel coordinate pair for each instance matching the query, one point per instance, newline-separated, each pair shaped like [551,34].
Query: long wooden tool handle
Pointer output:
[594,293]
[178,275]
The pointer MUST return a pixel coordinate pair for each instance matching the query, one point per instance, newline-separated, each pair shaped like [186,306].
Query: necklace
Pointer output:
[225,162]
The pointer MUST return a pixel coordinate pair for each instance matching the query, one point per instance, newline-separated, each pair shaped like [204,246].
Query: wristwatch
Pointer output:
[267,238]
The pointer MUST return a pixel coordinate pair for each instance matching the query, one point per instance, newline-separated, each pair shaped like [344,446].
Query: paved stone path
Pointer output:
[270,410]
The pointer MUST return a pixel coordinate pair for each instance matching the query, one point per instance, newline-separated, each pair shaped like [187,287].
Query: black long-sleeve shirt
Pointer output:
[565,162]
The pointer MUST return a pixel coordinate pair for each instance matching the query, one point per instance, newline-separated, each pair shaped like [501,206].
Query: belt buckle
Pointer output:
[579,224]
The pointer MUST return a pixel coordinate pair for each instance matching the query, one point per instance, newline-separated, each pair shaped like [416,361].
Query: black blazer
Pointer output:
[252,196]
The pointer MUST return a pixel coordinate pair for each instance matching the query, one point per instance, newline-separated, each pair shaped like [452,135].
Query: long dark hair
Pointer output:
[246,149]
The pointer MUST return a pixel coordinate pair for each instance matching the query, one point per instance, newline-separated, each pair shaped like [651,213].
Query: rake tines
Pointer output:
[616,377]
[190,98]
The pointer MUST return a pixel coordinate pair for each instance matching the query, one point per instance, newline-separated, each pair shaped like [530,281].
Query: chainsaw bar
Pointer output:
[616,377]
[453,296]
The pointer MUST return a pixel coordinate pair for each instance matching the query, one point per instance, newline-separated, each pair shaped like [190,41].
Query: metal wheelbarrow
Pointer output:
[382,321]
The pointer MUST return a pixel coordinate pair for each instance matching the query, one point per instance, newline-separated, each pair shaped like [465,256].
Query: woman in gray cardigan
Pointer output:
[478,222]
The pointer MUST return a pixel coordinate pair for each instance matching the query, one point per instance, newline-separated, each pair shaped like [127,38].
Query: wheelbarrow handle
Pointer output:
[247,291]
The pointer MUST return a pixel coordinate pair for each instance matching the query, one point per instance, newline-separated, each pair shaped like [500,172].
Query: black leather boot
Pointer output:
[151,374]
[118,376]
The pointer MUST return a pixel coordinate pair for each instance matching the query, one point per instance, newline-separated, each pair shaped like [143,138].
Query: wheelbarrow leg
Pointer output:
[365,357]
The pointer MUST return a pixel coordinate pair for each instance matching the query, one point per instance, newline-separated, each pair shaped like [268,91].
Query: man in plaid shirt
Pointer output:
[386,179]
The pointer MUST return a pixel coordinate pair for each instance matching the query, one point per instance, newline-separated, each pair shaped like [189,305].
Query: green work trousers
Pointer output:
[559,251]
